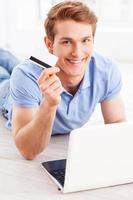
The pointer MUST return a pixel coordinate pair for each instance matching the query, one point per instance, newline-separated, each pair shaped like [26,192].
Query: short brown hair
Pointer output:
[66,10]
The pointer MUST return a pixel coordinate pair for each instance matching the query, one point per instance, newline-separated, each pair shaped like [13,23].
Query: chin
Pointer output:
[75,73]
[79,69]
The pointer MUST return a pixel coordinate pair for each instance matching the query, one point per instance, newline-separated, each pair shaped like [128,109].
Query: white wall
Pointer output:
[21,32]
[116,43]
[3,21]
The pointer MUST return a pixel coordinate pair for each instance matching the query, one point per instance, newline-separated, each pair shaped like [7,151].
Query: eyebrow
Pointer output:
[68,38]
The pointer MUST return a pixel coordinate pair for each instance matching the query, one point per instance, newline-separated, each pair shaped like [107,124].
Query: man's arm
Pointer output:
[32,127]
[113,110]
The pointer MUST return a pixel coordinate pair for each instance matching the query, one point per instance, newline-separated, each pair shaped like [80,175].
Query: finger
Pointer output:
[48,72]
[59,90]
[55,85]
[51,87]
[49,82]
[54,93]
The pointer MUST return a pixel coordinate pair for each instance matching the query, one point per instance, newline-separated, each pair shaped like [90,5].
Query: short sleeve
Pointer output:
[24,89]
[113,82]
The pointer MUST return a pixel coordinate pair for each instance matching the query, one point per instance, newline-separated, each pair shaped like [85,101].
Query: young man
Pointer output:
[62,98]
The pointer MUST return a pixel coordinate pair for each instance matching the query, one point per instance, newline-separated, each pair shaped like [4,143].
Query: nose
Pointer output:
[77,50]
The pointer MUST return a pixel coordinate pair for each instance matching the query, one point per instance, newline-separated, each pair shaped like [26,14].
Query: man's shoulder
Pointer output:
[103,67]
[27,69]
[24,88]
[102,61]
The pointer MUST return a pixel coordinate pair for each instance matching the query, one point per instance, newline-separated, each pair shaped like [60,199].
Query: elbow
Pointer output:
[28,156]
[24,149]
[108,121]
[29,152]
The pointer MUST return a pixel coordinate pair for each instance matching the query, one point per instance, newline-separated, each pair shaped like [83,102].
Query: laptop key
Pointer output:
[60,175]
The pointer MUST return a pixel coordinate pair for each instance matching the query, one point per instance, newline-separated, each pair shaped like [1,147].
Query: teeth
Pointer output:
[75,61]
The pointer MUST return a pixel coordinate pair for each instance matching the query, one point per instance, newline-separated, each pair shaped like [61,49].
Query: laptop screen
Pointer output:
[56,168]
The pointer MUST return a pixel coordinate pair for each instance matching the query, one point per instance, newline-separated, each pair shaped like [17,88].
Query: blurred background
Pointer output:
[22,32]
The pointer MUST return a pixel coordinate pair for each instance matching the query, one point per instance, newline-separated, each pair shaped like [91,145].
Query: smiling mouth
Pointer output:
[75,61]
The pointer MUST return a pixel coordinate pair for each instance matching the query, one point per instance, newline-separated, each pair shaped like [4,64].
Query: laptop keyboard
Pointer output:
[59,175]
[57,169]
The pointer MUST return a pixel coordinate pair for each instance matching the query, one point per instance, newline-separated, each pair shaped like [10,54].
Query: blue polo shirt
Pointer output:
[102,81]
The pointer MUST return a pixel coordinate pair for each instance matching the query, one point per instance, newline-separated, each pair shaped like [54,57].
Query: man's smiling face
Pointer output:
[73,45]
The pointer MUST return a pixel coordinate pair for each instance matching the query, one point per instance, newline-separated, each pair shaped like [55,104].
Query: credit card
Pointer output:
[45,60]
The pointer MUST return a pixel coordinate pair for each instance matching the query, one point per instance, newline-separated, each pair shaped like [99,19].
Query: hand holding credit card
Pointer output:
[49,83]
[45,60]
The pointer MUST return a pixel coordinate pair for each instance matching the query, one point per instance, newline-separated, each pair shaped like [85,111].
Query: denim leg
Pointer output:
[8,60]
[4,74]
[4,93]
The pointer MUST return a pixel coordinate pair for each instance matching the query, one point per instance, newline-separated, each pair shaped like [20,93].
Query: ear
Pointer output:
[49,44]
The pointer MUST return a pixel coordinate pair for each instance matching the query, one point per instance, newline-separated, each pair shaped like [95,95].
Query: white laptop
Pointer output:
[98,156]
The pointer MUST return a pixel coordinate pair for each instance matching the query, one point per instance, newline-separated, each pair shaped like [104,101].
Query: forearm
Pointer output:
[35,135]
[33,127]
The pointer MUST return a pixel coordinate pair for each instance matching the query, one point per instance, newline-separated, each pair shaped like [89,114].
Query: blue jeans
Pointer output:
[7,62]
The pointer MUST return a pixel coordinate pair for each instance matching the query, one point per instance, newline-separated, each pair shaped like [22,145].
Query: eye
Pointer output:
[66,42]
[87,40]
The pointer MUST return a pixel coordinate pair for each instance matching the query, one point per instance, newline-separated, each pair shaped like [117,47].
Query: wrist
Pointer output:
[48,105]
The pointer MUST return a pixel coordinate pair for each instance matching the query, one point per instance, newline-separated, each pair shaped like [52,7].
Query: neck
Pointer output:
[71,84]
